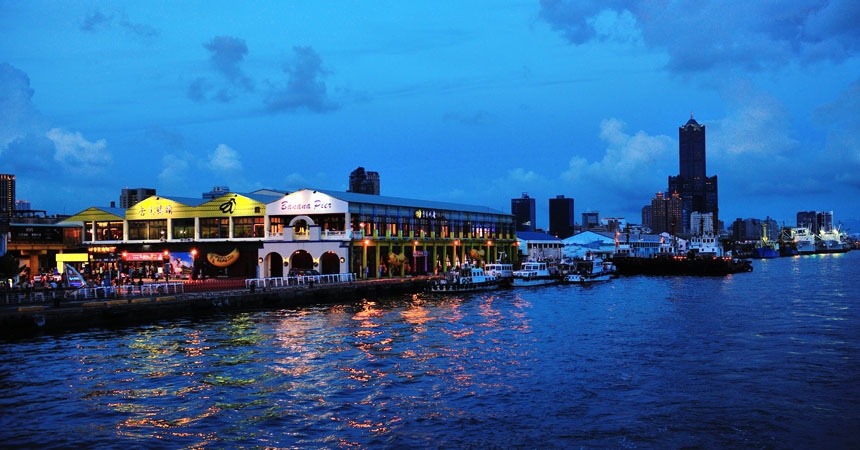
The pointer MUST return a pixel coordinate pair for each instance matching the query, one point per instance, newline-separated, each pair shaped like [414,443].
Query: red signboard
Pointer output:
[144,256]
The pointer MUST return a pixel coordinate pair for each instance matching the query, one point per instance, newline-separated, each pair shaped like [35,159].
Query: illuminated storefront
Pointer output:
[247,235]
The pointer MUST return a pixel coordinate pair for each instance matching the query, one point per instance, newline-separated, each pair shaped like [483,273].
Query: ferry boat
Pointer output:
[535,274]
[589,270]
[466,279]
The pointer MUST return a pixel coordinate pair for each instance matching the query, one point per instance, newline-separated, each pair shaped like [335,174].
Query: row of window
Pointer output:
[253,227]
[210,228]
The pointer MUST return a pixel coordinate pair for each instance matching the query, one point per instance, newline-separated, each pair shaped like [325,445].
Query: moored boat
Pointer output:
[589,270]
[535,274]
[466,279]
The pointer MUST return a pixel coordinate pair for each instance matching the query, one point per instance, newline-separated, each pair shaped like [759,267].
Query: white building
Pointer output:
[701,223]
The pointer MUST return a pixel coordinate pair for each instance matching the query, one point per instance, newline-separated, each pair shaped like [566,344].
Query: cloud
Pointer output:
[632,167]
[305,87]
[97,20]
[841,119]
[174,174]
[711,33]
[226,56]
[79,154]
[20,117]
[138,29]
[224,159]
[94,20]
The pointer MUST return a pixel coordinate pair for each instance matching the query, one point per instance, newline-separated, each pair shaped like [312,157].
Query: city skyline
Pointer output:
[469,104]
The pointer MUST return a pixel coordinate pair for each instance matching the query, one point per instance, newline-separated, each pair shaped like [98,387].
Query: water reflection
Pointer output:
[639,361]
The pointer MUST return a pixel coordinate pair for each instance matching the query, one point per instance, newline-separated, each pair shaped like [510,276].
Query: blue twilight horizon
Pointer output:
[472,102]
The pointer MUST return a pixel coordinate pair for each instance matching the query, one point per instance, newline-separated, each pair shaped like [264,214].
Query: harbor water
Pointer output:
[767,359]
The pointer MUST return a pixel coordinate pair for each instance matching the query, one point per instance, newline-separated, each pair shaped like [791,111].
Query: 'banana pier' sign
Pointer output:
[223,260]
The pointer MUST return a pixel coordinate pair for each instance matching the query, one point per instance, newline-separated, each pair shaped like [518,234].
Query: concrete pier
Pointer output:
[32,319]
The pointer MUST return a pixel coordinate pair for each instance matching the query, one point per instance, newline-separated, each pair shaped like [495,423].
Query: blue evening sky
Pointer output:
[471,102]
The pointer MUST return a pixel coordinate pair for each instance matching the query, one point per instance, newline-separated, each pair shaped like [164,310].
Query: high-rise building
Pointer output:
[523,210]
[561,216]
[646,216]
[755,229]
[131,197]
[22,205]
[697,190]
[7,195]
[7,202]
[825,221]
[364,182]
[667,213]
[701,223]
[590,220]
[808,219]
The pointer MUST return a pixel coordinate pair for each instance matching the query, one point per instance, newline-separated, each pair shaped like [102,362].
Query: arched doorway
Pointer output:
[301,260]
[276,265]
[329,263]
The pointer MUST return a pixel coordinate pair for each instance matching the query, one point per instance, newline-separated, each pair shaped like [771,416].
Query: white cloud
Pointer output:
[77,153]
[633,165]
[174,174]
[224,159]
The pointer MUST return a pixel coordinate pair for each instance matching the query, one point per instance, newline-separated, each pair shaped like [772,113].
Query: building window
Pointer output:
[139,230]
[183,228]
[276,225]
[214,228]
[247,227]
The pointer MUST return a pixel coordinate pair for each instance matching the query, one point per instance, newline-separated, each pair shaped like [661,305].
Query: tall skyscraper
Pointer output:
[561,216]
[697,190]
[825,221]
[646,216]
[364,182]
[667,213]
[7,196]
[523,210]
[131,197]
[808,219]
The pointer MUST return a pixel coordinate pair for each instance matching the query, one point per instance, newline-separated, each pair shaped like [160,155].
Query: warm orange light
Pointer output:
[489,242]
[166,253]
[194,252]
[124,255]
[414,242]
[457,242]
[367,242]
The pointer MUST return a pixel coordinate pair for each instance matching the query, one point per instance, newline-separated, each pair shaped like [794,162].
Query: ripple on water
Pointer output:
[765,359]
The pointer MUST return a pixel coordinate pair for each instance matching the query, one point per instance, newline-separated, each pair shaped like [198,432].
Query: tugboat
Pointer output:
[466,279]
[589,270]
[535,274]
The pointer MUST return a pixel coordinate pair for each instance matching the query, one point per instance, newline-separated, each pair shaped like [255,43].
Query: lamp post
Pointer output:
[489,244]
[456,254]
[364,257]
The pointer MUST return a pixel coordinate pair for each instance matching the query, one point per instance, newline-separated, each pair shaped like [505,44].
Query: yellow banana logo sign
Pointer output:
[223,260]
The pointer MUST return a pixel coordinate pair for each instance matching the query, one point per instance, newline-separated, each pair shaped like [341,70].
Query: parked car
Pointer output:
[302,272]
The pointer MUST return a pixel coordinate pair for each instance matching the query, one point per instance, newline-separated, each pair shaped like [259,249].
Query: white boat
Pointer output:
[505,271]
[467,279]
[535,274]
[830,242]
[804,240]
[707,245]
[589,270]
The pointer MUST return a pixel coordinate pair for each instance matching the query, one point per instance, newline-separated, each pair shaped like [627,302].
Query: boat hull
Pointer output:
[586,279]
[764,253]
[524,282]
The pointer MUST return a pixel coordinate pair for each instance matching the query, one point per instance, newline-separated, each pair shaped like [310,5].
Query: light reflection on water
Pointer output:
[766,359]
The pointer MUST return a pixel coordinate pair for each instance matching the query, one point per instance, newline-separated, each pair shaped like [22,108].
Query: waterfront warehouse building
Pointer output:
[270,235]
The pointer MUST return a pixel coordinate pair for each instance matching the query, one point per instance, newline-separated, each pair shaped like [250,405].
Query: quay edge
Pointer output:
[28,320]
